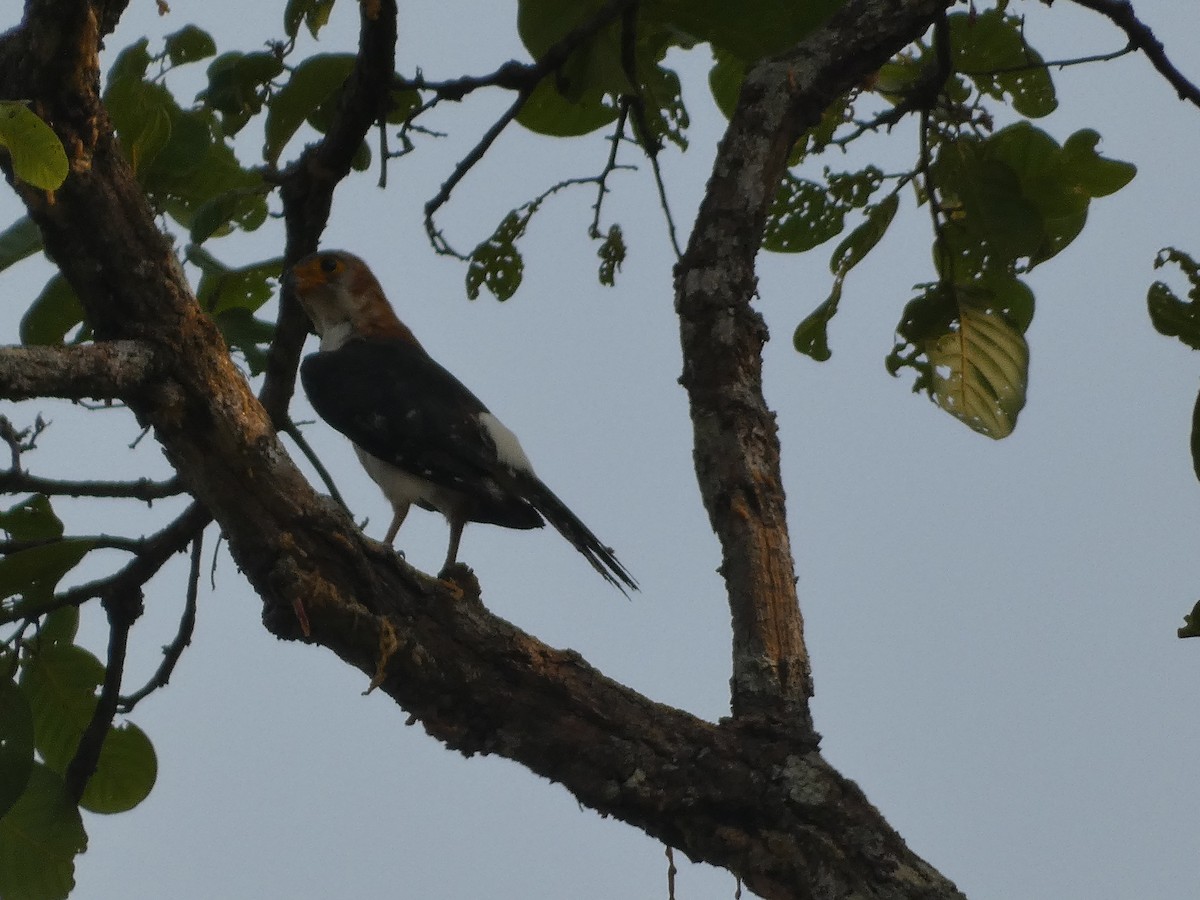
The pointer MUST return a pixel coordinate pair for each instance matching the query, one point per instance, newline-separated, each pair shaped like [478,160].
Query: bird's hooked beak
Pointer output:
[304,275]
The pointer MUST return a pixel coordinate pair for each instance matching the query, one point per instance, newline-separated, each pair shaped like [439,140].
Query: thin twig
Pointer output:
[145,489]
[1122,15]
[1054,63]
[526,81]
[123,606]
[97,541]
[183,637]
[610,166]
[292,430]
[153,554]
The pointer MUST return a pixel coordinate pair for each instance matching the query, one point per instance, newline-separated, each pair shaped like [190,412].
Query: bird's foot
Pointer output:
[459,579]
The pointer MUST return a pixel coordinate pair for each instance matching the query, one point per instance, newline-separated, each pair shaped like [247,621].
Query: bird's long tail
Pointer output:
[580,537]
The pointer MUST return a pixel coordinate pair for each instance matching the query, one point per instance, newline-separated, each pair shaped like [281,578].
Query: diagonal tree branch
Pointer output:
[103,371]
[1140,36]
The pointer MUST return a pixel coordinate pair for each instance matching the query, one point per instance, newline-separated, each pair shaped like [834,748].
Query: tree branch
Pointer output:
[529,78]
[124,606]
[13,482]
[1122,15]
[308,184]
[183,637]
[103,371]
[151,555]
[736,447]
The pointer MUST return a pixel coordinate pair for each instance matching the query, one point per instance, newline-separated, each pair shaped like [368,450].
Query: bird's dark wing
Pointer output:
[394,401]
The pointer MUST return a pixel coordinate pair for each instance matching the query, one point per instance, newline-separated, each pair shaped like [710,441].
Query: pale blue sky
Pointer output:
[992,625]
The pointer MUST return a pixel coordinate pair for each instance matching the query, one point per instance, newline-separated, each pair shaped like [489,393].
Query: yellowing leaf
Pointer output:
[979,371]
[36,152]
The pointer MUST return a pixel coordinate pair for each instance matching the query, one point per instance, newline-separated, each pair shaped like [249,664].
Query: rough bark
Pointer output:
[736,446]
[100,371]
[748,794]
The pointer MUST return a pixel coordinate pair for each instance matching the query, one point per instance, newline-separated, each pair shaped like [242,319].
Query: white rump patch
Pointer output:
[508,448]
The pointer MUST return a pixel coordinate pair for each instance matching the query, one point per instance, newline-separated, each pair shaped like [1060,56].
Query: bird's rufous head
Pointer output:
[343,298]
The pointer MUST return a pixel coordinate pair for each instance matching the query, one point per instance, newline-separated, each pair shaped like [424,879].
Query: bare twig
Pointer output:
[183,637]
[292,430]
[124,606]
[528,80]
[1055,63]
[14,481]
[1122,15]
[151,556]
[103,541]
[610,166]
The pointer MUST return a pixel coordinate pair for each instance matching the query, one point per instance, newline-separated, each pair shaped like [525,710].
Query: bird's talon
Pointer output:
[460,580]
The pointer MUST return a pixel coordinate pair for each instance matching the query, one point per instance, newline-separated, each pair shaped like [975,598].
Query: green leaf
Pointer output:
[247,335]
[32,519]
[811,336]
[989,48]
[223,287]
[862,240]
[189,44]
[60,681]
[748,30]
[548,112]
[313,13]
[1191,622]
[1170,315]
[39,839]
[237,86]
[36,153]
[52,315]
[496,263]
[725,80]
[1093,174]
[16,743]
[801,217]
[612,254]
[1195,447]
[244,206]
[312,82]
[125,772]
[33,573]
[59,626]
[18,241]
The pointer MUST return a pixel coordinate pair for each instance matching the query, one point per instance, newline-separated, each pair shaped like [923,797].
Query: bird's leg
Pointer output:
[456,529]
[399,513]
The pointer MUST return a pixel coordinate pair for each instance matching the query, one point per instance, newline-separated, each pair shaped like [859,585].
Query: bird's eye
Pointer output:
[330,264]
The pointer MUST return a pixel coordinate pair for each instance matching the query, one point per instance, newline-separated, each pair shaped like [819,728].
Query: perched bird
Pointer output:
[420,434]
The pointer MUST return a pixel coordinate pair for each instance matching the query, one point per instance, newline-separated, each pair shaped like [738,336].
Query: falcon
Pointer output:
[419,433]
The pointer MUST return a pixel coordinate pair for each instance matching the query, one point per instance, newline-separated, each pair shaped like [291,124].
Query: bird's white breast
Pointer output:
[403,488]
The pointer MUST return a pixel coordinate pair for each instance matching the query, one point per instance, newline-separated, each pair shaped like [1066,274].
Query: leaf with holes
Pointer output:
[980,369]
[612,254]
[1172,316]
[496,263]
